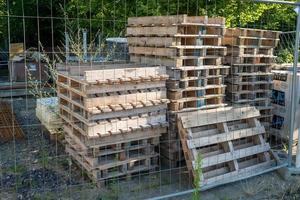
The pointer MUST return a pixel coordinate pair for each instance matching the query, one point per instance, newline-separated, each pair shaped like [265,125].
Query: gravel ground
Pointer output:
[37,168]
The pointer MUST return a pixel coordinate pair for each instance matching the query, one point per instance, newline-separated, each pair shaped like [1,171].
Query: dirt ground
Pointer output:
[36,168]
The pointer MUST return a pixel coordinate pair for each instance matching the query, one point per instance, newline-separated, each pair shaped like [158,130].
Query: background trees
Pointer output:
[110,16]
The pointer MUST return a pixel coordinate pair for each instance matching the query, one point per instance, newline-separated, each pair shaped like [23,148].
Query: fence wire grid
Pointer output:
[95,106]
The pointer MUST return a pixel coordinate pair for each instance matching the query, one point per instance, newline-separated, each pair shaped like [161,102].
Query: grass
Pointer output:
[253,188]
[16,169]
[43,158]
[197,178]
[112,193]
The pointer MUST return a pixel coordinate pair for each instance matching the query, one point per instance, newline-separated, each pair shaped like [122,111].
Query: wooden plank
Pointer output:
[229,156]
[217,115]
[96,141]
[152,41]
[174,20]
[157,20]
[223,137]
[252,32]
[153,51]
[240,174]
[153,31]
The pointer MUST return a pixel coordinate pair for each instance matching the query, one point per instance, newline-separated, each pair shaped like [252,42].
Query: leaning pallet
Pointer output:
[191,49]
[227,144]
[250,55]
[113,116]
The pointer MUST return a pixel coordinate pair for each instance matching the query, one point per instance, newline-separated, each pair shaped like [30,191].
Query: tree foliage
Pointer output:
[110,16]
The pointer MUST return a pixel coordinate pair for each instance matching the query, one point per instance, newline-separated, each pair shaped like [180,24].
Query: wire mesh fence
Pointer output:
[104,103]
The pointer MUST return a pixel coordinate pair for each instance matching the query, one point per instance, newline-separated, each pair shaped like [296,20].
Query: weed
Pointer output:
[197,178]
[17,169]
[44,158]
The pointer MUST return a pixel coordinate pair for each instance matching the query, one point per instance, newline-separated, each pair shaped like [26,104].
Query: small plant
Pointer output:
[197,178]
[285,56]
[285,147]
[17,169]
[44,158]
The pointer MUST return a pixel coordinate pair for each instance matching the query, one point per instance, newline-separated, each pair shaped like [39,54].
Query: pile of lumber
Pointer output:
[250,54]
[191,49]
[9,126]
[113,116]
[48,113]
[225,144]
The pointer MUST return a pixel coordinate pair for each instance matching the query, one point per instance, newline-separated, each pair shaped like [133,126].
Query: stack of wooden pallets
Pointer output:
[113,116]
[227,144]
[191,49]
[250,54]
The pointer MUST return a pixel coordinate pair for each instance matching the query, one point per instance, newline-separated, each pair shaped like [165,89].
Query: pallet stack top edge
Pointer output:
[175,20]
[252,32]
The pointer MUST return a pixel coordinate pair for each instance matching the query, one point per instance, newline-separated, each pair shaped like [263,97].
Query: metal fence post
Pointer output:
[294,96]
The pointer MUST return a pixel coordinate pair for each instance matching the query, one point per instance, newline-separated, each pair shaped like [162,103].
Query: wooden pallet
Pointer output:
[179,62]
[229,142]
[252,32]
[249,95]
[251,37]
[175,30]
[238,88]
[235,51]
[98,74]
[248,41]
[176,40]
[119,147]
[111,112]
[9,126]
[198,72]
[249,59]
[110,156]
[114,126]
[242,69]
[250,78]
[96,141]
[179,51]
[114,99]
[196,92]
[197,103]
[174,20]
[137,164]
